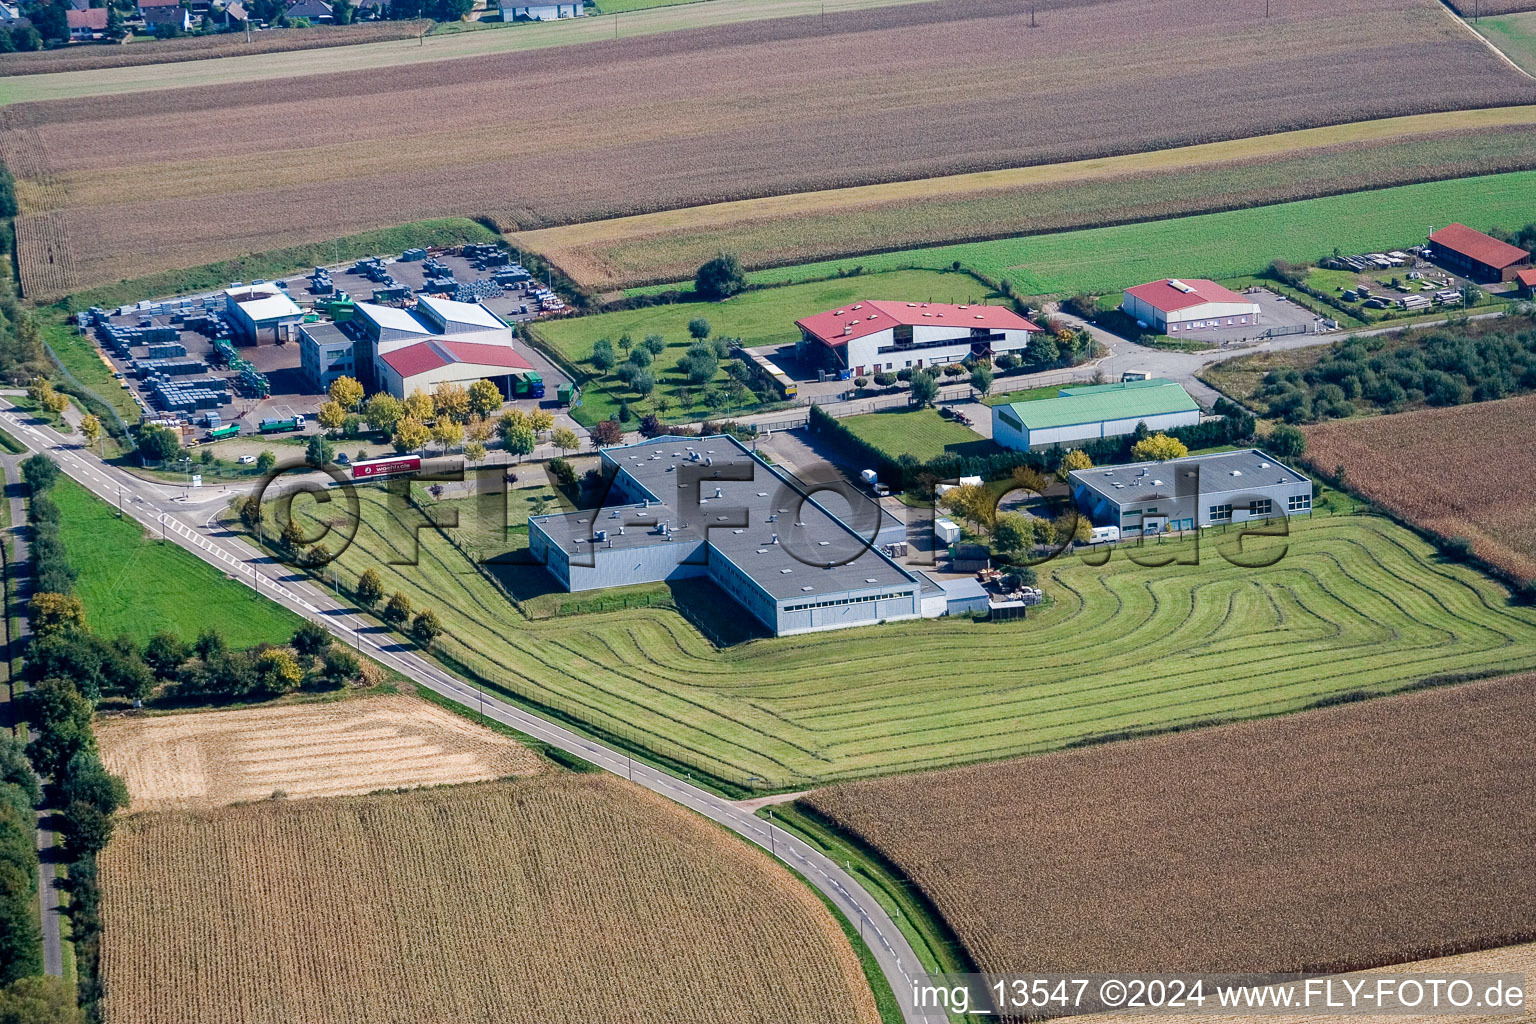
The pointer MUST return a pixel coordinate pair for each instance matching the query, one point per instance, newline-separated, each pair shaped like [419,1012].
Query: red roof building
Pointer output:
[879,336]
[422,366]
[86,24]
[1174,306]
[1527,281]
[1478,256]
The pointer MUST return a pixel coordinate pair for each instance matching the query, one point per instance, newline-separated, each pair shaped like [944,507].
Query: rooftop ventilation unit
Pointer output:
[1180,285]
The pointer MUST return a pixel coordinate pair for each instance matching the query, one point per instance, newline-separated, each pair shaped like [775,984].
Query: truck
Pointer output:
[529,385]
[567,394]
[391,466]
[219,433]
[281,426]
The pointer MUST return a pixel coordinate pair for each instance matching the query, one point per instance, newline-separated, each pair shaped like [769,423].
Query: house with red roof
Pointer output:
[87,24]
[1527,281]
[875,336]
[1476,255]
[1174,307]
[426,364]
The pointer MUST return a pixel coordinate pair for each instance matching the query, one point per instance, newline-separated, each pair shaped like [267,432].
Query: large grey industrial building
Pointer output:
[682,507]
[1147,498]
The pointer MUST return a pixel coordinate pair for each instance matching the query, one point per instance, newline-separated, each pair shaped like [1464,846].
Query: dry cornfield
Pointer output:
[144,182]
[569,898]
[172,51]
[1370,833]
[210,758]
[1465,471]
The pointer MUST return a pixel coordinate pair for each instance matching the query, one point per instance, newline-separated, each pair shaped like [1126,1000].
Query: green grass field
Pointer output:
[130,583]
[922,433]
[1216,245]
[1515,34]
[1357,604]
[762,317]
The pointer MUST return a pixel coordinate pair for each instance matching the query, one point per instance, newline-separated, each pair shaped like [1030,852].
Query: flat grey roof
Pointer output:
[1218,474]
[741,522]
[326,334]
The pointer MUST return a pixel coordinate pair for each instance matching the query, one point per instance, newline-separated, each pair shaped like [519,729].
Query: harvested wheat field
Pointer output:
[1465,471]
[1502,960]
[127,185]
[568,898]
[1370,833]
[211,758]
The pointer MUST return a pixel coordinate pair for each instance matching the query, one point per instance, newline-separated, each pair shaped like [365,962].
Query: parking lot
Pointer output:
[1276,313]
[273,386]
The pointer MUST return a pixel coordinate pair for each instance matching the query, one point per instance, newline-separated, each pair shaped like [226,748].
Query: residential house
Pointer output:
[542,11]
[316,12]
[86,25]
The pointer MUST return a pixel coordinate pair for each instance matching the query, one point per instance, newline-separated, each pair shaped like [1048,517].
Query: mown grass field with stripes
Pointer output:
[1356,604]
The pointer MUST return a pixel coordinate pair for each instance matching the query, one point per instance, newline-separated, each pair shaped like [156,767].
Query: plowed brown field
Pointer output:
[569,898]
[1467,471]
[211,758]
[152,181]
[1339,839]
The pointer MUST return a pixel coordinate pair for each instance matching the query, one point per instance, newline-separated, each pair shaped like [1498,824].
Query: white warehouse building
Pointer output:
[1177,307]
[874,337]
[1091,412]
[262,310]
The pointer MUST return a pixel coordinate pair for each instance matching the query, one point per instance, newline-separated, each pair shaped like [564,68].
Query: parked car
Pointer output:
[341,457]
[247,460]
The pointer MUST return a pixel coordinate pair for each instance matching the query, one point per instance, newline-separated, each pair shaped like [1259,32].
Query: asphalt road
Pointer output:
[47,869]
[160,510]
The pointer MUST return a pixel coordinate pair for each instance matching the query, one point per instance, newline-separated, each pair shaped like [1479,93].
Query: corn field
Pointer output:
[568,898]
[1341,839]
[1434,468]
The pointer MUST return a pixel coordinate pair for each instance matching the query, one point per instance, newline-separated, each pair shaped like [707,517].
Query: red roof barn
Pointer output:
[1478,256]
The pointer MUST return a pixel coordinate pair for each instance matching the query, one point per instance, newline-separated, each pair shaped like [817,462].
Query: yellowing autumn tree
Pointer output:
[1159,447]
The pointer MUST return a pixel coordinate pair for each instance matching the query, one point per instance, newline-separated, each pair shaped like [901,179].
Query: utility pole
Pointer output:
[772,846]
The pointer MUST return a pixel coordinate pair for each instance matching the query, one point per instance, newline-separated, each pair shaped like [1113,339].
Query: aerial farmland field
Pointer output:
[1365,834]
[1454,488]
[1122,647]
[566,898]
[1214,245]
[791,229]
[121,187]
[196,760]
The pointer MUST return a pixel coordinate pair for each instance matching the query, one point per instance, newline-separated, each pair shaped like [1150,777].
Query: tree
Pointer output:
[397,609]
[451,401]
[39,999]
[16,771]
[1286,441]
[606,433]
[566,439]
[265,461]
[340,666]
[209,645]
[981,380]
[641,357]
[346,392]
[332,416]
[448,433]
[278,671]
[40,472]
[426,628]
[484,397]
[1471,294]
[720,278]
[602,355]
[61,725]
[370,588]
[26,38]
[655,344]
[541,420]
[474,451]
[411,435]
[310,639]
[698,328]
[972,503]
[90,428]
[1158,448]
[418,405]
[1073,528]
[644,383]
[50,613]
[319,452]
[925,388]
[292,537]
[382,412]
[164,654]
[519,439]
[716,398]
[1043,351]
[1073,459]
[1014,533]
[158,443]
